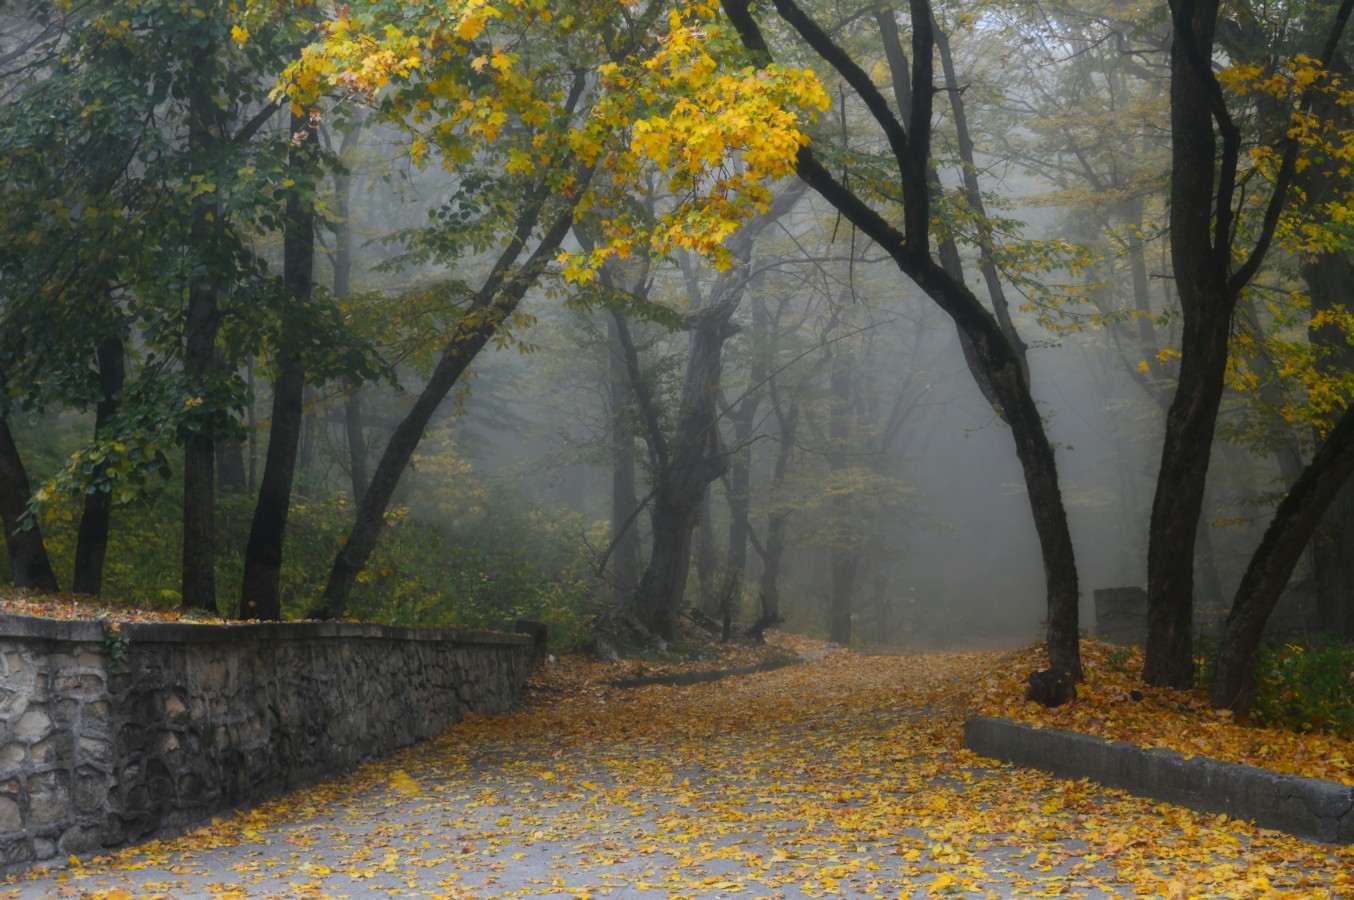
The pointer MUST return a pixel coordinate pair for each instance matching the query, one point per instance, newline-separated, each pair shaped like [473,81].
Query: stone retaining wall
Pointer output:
[108,738]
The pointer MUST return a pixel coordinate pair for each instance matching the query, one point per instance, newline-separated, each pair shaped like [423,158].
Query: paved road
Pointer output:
[840,777]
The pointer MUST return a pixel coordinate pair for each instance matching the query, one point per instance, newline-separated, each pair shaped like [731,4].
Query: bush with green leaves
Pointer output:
[1306,689]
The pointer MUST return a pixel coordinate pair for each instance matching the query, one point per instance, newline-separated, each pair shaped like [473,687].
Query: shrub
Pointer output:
[1306,689]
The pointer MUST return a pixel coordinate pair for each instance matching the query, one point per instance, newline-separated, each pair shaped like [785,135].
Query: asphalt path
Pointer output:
[828,779]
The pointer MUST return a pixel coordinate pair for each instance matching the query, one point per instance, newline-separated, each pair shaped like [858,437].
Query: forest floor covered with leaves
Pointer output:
[841,776]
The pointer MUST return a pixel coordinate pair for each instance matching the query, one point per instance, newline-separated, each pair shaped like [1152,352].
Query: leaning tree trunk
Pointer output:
[260,591]
[495,301]
[997,363]
[91,547]
[1330,282]
[1273,562]
[29,565]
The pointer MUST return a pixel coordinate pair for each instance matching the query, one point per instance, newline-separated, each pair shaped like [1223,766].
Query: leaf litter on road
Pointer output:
[843,776]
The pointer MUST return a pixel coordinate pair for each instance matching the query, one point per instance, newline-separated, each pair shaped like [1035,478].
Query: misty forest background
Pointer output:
[480,340]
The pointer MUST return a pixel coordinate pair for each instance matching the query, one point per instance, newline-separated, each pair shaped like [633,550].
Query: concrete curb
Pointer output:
[1306,807]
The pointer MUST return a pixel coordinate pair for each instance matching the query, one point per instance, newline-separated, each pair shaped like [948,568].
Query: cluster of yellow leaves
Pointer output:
[1113,703]
[457,76]
[1308,228]
[842,776]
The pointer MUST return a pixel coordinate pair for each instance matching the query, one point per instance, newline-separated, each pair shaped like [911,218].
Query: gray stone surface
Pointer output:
[198,719]
[1306,807]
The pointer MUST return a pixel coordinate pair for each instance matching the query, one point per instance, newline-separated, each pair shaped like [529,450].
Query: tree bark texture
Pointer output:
[91,547]
[995,359]
[29,564]
[260,591]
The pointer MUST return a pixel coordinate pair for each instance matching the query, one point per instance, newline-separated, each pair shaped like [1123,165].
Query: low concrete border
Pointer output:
[1306,807]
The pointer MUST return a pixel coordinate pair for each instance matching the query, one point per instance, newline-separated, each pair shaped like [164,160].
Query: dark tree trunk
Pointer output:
[91,546]
[692,462]
[996,360]
[1273,562]
[496,299]
[1330,282]
[260,592]
[1207,305]
[29,565]
[1206,146]
[687,464]
[625,555]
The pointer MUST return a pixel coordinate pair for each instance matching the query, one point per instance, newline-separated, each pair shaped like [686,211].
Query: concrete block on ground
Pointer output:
[1306,807]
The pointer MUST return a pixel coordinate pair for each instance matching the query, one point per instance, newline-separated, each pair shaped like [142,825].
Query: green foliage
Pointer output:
[486,572]
[1306,689]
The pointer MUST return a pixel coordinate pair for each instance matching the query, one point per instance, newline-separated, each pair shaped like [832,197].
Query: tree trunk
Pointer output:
[260,592]
[692,463]
[1330,282]
[29,565]
[997,362]
[496,299]
[687,464]
[1207,305]
[91,546]
[1273,562]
